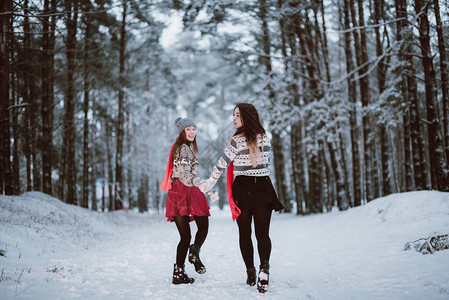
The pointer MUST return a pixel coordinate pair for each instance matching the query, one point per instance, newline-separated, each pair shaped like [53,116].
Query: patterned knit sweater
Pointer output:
[237,151]
[185,165]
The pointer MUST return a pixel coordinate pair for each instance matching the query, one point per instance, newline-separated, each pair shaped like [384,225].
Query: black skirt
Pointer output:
[253,191]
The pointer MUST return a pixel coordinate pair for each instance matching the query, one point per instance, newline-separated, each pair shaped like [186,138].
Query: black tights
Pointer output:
[262,217]
[182,223]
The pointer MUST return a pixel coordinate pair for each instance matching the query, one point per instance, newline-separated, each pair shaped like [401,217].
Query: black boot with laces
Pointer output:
[180,276]
[264,274]
[194,258]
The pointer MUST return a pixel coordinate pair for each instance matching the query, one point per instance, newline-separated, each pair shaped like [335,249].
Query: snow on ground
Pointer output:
[52,250]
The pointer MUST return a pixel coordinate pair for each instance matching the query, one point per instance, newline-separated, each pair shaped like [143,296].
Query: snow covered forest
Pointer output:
[354,95]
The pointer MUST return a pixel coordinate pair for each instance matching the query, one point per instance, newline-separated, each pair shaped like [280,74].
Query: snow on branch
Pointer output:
[429,245]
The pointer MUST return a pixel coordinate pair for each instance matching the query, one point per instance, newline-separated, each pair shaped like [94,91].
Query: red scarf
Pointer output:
[166,183]
[235,211]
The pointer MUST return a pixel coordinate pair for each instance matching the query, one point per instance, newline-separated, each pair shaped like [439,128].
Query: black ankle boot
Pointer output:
[251,280]
[194,258]
[180,276]
[264,274]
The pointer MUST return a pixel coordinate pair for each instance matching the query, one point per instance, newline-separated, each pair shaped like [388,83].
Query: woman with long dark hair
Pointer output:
[251,195]
[185,202]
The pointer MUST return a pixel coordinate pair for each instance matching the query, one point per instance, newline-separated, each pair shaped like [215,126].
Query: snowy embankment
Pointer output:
[51,250]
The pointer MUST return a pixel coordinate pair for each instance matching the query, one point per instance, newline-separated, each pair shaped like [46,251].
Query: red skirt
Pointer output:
[185,200]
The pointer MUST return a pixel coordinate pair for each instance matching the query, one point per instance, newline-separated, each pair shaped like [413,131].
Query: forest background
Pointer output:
[354,95]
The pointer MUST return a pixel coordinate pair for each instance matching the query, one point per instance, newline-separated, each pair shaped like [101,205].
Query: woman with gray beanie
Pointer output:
[185,201]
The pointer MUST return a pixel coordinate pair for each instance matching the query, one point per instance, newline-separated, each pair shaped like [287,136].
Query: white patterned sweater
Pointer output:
[185,165]
[237,151]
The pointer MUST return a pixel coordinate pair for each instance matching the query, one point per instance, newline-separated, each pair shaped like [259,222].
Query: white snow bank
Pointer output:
[54,250]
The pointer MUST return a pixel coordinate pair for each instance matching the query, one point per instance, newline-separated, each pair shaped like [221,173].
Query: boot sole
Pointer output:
[175,282]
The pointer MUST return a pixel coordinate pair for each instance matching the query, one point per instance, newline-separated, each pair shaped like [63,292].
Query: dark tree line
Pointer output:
[354,94]
[66,68]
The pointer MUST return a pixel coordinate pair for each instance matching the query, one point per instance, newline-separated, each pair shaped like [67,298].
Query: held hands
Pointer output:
[213,195]
[206,185]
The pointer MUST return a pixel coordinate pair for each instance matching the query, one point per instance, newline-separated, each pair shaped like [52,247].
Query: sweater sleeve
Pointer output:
[186,166]
[225,160]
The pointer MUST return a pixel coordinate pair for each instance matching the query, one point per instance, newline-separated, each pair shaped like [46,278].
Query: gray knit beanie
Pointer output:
[183,124]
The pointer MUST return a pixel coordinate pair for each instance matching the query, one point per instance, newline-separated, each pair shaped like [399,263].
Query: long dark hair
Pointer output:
[251,127]
[180,140]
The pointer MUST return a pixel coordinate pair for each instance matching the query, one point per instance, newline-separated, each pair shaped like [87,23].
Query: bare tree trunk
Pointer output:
[143,193]
[444,76]
[342,200]
[407,152]
[15,135]
[419,162]
[48,37]
[381,72]
[85,197]
[129,167]
[29,109]
[69,120]
[27,150]
[5,164]
[103,188]
[93,164]
[315,182]
[325,47]
[362,58]
[14,111]
[298,167]
[328,189]
[111,204]
[344,173]
[352,96]
[437,161]
[29,96]
[418,152]
[118,196]
[279,166]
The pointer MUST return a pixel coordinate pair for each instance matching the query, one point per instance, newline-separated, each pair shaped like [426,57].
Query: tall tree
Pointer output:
[438,164]
[47,107]
[94,165]
[381,78]
[361,52]
[5,151]
[118,196]
[109,169]
[352,96]
[15,136]
[87,36]
[30,97]
[444,75]
[68,154]
[401,15]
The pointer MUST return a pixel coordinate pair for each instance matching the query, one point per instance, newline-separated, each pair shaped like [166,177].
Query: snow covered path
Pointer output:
[343,255]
